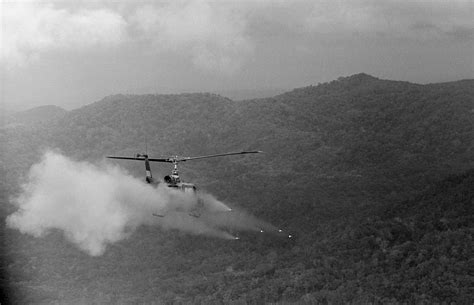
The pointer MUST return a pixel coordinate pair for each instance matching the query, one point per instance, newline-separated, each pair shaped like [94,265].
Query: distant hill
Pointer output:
[39,114]
[400,134]
[246,94]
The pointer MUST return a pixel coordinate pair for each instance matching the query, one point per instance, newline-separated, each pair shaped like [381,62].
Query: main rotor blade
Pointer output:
[169,160]
[218,155]
[182,159]
[140,159]
[126,158]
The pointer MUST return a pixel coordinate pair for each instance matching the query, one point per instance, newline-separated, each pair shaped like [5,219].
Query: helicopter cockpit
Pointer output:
[172,179]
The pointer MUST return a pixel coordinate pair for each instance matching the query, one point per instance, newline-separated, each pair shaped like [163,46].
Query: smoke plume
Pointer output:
[98,205]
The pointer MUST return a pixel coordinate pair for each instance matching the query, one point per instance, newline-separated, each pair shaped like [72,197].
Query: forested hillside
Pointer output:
[372,177]
[34,115]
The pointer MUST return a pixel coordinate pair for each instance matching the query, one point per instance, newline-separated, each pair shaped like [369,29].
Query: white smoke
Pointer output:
[94,206]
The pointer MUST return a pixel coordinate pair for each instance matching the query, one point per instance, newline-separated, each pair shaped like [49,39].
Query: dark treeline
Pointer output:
[373,177]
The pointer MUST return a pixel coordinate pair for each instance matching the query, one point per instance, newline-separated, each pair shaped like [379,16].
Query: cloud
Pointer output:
[219,36]
[31,28]
[211,34]
[423,20]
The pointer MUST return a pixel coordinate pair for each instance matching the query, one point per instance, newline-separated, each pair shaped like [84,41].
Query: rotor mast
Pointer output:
[175,172]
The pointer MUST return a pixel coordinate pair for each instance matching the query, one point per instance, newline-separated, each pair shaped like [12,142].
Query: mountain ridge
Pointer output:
[353,79]
[381,136]
[343,162]
[35,115]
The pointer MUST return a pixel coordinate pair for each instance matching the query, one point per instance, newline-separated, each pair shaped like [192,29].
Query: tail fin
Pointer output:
[149,177]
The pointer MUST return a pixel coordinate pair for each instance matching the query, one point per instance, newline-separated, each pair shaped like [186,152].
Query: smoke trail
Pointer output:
[95,206]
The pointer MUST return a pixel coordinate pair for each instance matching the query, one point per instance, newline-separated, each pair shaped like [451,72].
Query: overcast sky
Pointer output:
[72,53]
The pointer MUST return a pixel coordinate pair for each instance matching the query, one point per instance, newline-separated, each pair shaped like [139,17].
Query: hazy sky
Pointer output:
[71,53]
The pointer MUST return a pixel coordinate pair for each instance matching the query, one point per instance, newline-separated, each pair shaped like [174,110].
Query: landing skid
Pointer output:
[195,215]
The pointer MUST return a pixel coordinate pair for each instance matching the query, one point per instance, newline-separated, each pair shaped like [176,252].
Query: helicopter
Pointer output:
[173,180]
